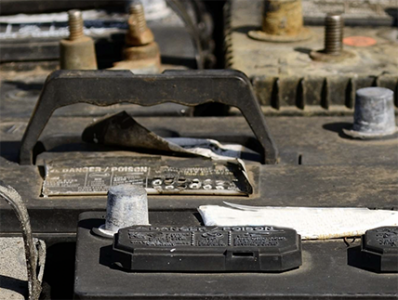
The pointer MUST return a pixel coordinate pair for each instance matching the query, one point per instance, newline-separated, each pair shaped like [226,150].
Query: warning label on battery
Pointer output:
[158,176]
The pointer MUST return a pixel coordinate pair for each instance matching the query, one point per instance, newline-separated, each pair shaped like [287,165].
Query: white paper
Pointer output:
[209,148]
[309,222]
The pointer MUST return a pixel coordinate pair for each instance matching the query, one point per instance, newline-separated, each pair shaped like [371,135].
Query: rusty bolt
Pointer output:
[77,52]
[139,34]
[334,26]
[333,51]
[282,22]
[282,17]
[137,11]
[75,22]
[141,53]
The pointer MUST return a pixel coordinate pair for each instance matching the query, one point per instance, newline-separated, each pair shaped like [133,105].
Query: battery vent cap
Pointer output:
[207,249]
[379,249]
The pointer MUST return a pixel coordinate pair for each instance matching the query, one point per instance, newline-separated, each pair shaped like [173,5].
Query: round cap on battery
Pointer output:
[374,114]
[127,206]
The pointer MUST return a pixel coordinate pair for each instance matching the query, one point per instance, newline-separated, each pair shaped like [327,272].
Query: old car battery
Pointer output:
[273,43]
[30,47]
[34,38]
[53,216]
[344,171]
[324,273]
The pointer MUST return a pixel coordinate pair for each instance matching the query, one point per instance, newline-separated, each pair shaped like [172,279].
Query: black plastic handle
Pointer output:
[103,88]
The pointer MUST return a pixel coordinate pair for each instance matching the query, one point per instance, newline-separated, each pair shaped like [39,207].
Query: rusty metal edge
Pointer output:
[35,252]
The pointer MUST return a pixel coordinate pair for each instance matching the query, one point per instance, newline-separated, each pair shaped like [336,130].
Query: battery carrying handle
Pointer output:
[104,88]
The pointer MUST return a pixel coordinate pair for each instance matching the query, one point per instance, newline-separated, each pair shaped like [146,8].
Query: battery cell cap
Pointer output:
[207,249]
[379,249]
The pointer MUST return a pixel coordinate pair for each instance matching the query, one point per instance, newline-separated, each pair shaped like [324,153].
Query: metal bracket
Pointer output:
[103,88]
[35,258]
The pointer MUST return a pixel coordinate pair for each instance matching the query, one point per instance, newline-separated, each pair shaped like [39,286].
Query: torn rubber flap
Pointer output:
[121,130]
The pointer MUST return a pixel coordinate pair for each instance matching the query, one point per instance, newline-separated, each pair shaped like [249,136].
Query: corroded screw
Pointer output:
[137,14]
[334,25]
[75,22]
[77,52]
